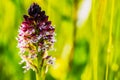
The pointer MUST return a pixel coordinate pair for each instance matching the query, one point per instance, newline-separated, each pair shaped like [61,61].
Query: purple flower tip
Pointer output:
[34,10]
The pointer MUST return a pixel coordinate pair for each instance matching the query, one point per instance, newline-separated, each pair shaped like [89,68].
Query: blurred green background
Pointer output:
[87,34]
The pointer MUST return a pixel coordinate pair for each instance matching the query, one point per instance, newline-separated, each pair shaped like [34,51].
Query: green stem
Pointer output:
[75,9]
[40,74]
[109,53]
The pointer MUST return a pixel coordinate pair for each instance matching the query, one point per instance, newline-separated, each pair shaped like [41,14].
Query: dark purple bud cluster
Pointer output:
[34,10]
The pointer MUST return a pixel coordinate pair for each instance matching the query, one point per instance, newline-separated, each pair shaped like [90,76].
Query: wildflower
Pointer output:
[50,60]
[36,36]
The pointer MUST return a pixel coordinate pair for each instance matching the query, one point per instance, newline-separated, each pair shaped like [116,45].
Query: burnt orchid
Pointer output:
[35,38]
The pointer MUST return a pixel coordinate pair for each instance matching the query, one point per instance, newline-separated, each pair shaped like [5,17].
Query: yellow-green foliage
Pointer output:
[87,34]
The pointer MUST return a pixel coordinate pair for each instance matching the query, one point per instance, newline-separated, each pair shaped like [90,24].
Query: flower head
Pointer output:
[36,34]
